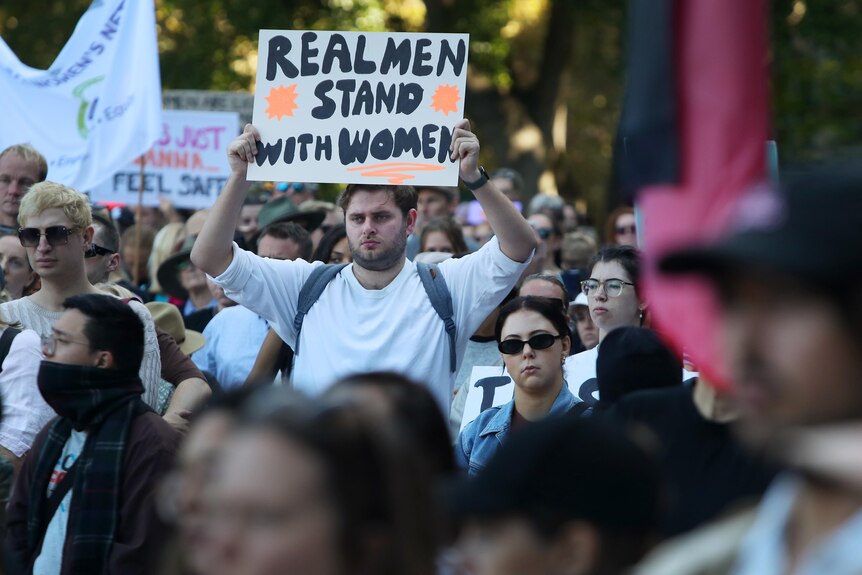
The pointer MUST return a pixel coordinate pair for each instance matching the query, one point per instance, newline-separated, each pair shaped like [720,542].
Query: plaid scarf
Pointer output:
[104,402]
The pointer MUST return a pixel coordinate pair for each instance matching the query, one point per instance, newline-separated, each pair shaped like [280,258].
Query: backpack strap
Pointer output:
[6,343]
[310,293]
[441,299]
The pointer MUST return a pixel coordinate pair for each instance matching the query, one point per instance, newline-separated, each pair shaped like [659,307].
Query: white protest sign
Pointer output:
[490,386]
[187,165]
[347,107]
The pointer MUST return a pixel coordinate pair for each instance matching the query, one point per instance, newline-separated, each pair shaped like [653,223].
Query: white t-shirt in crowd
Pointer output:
[25,412]
[352,329]
[50,558]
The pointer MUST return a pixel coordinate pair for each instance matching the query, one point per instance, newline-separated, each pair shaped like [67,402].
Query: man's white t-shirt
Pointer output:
[352,329]
[50,559]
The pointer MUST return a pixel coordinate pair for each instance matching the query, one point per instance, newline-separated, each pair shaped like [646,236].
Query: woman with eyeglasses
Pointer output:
[612,295]
[534,340]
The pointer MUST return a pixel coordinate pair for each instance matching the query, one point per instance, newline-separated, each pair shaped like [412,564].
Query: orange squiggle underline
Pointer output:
[395,171]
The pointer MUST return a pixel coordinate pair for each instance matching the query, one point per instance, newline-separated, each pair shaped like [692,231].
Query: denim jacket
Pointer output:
[485,434]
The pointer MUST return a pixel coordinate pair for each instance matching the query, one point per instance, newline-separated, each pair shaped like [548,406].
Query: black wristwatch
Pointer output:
[483,177]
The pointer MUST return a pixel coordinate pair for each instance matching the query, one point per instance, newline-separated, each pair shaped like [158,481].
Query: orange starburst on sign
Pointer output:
[282,101]
[445,99]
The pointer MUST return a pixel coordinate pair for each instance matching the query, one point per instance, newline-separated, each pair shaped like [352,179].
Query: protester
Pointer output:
[548,236]
[612,294]
[333,247]
[182,494]
[20,278]
[546,285]
[181,279]
[790,315]
[136,245]
[481,351]
[533,338]
[247,229]
[57,231]
[119,447]
[566,496]
[409,407]
[319,488]
[633,359]
[432,202]
[371,319]
[21,166]
[621,229]
[168,241]
[708,470]
[579,311]
[443,235]
[333,216]
[103,255]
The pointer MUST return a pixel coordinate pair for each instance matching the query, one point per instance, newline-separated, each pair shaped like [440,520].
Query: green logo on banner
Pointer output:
[86,109]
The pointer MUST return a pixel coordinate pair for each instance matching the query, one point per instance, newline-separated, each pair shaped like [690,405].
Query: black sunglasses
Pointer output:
[539,341]
[56,236]
[97,250]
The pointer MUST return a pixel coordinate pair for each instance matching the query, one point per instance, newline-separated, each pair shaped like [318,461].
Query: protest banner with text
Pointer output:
[344,107]
[187,164]
[98,106]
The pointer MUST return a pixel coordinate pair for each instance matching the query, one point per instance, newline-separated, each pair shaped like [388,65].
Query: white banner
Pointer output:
[99,104]
[187,165]
[347,107]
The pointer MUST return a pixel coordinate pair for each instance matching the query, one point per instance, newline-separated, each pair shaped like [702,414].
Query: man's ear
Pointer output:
[88,236]
[113,263]
[576,549]
[104,359]
[411,220]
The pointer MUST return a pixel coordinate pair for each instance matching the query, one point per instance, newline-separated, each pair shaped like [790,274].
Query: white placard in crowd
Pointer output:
[344,107]
[187,165]
[98,106]
[490,386]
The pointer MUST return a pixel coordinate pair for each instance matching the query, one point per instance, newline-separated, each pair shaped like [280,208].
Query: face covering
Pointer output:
[84,394]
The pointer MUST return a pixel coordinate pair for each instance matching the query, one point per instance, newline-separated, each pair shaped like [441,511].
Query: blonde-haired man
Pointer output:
[56,229]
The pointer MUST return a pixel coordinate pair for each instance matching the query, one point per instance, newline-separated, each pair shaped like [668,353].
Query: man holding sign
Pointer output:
[375,314]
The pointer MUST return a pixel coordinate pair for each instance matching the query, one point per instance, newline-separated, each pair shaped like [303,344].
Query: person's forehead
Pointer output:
[71,322]
[49,217]
[11,245]
[270,246]
[15,162]
[608,270]
[370,201]
[541,288]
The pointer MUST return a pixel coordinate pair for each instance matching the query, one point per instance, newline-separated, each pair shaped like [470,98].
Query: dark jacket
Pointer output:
[150,449]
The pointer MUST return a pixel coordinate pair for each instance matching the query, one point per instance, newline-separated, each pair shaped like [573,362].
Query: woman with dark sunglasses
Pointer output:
[534,340]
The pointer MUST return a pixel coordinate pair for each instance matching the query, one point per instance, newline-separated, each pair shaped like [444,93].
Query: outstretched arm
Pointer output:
[212,251]
[515,235]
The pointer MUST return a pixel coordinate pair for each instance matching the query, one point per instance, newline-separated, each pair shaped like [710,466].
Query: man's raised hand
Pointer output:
[242,150]
[465,145]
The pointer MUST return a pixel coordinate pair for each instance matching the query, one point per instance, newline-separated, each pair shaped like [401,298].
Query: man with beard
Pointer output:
[85,499]
[375,314]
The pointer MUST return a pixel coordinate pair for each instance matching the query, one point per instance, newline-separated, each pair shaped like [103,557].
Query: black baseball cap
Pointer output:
[810,228]
[564,469]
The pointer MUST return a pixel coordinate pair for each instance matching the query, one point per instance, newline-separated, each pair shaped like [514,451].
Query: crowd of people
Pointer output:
[279,384]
